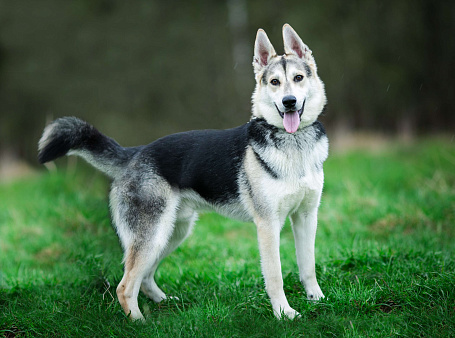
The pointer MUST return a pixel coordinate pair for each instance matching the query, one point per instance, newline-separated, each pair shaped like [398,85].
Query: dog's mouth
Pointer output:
[291,119]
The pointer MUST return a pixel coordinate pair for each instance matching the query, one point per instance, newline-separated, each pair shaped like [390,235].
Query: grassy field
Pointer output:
[385,258]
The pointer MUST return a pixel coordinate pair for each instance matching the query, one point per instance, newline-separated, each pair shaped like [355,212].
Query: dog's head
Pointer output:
[289,93]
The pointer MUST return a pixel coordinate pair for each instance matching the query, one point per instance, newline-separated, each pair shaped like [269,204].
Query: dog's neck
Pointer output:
[260,125]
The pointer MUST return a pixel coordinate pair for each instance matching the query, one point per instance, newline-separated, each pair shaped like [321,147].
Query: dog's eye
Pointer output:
[298,78]
[275,82]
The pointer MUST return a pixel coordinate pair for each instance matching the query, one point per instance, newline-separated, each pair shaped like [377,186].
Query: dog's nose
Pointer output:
[289,101]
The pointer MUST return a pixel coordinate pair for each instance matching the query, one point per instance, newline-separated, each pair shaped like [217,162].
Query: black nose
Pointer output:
[289,101]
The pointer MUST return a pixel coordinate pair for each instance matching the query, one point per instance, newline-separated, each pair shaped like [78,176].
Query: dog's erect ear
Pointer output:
[263,51]
[293,44]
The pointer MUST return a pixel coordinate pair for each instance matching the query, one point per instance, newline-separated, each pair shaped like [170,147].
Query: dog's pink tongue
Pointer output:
[291,121]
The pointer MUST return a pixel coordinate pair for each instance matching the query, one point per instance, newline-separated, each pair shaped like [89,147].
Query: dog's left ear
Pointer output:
[293,44]
[263,51]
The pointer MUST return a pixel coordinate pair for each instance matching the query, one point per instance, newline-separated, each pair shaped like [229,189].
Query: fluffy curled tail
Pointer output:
[72,136]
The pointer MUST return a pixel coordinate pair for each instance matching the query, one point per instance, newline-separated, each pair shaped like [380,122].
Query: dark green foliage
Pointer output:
[142,69]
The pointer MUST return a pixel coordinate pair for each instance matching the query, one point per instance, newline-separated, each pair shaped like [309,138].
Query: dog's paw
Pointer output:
[136,316]
[291,314]
[288,313]
[314,293]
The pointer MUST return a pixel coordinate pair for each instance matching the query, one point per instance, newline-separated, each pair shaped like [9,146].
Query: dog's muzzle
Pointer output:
[291,118]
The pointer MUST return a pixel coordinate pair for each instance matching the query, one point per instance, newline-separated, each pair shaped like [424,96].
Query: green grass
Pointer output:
[385,258]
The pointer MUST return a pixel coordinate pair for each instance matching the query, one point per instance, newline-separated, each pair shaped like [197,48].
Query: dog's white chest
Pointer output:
[292,180]
[291,193]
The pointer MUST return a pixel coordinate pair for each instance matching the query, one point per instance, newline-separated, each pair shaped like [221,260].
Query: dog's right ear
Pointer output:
[263,51]
[293,44]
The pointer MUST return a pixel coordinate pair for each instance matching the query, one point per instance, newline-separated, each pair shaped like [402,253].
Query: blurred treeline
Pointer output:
[141,69]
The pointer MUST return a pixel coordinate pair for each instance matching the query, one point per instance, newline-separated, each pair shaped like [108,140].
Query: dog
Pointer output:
[264,171]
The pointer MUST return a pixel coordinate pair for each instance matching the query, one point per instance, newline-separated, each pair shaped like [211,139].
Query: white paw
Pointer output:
[314,293]
[158,297]
[288,312]
[136,316]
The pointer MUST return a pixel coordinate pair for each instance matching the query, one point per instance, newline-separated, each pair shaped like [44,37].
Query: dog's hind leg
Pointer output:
[141,259]
[150,288]
[145,224]
[182,228]
[136,266]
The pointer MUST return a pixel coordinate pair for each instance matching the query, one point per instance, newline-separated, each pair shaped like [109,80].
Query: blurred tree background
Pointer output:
[142,69]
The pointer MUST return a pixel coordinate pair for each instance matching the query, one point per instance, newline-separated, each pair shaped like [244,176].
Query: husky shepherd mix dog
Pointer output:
[263,171]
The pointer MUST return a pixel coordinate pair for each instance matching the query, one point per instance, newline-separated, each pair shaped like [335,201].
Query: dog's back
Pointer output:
[204,161]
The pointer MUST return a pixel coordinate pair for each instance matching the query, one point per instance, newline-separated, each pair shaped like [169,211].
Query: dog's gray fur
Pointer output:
[264,171]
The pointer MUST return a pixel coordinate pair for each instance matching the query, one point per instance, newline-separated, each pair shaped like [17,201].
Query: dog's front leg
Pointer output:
[269,248]
[304,224]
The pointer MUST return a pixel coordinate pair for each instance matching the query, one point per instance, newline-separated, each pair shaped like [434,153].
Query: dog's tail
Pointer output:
[72,136]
